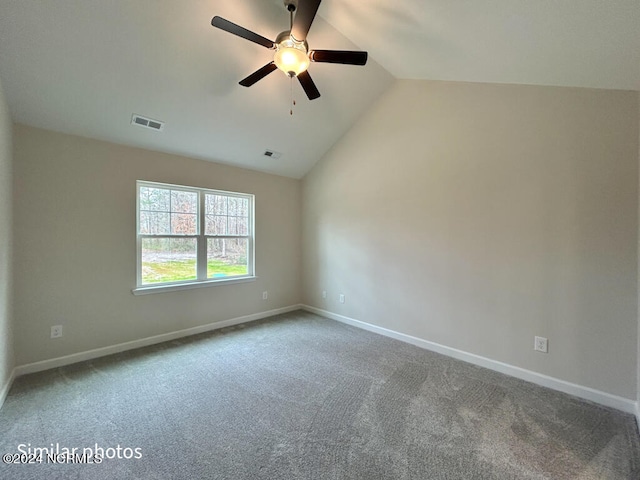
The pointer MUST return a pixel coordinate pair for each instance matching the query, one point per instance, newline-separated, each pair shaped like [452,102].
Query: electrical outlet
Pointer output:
[342,298]
[265,295]
[540,344]
[324,294]
[56,331]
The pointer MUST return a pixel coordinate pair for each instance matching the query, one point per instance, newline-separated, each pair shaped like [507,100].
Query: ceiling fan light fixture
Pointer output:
[291,57]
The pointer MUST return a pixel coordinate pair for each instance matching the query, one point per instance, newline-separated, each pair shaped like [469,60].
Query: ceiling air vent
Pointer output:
[272,154]
[147,122]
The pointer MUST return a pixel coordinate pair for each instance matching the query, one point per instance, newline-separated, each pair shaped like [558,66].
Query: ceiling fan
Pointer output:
[292,54]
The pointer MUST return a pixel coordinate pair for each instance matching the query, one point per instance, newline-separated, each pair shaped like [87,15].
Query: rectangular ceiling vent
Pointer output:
[141,121]
[272,154]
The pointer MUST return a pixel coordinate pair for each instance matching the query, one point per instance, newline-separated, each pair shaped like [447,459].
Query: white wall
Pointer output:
[6,234]
[75,244]
[477,216]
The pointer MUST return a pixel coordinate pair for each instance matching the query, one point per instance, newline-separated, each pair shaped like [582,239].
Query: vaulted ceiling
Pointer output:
[85,66]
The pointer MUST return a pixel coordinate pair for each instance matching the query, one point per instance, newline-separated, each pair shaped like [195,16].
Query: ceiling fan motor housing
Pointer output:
[286,35]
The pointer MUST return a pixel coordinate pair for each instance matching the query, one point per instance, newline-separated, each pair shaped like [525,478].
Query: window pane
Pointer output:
[168,259]
[184,224]
[153,223]
[164,211]
[232,225]
[154,199]
[243,225]
[184,202]
[232,205]
[216,225]
[215,204]
[209,225]
[227,257]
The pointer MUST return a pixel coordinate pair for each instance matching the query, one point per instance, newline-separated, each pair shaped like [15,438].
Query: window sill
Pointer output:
[188,286]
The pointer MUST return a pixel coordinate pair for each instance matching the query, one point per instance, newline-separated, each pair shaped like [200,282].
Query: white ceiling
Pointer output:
[85,66]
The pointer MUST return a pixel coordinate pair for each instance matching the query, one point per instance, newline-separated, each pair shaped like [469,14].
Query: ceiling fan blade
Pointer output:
[346,57]
[305,14]
[308,86]
[258,74]
[230,27]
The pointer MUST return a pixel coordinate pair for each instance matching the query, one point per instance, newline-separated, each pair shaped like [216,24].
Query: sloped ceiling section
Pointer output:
[578,43]
[85,66]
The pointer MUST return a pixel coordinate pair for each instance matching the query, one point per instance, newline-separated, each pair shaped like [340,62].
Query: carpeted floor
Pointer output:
[301,397]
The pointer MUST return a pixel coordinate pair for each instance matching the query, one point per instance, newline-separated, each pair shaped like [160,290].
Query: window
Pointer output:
[192,236]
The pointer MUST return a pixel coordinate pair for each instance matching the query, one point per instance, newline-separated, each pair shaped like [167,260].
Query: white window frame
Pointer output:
[201,242]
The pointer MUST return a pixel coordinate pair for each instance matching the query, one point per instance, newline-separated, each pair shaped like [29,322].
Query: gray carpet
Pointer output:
[301,397]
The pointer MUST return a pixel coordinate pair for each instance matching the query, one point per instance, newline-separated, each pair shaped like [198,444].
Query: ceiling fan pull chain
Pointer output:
[293,102]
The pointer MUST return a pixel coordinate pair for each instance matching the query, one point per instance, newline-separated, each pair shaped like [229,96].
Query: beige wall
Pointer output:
[75,244]
[6,234]
[477,216]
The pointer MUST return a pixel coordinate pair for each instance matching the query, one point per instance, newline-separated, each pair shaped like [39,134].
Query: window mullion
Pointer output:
[202,241]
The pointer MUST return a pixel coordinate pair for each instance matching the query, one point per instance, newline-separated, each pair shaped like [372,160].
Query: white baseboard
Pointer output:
[144,342]
[638,414]
[587,393]
[4,391]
